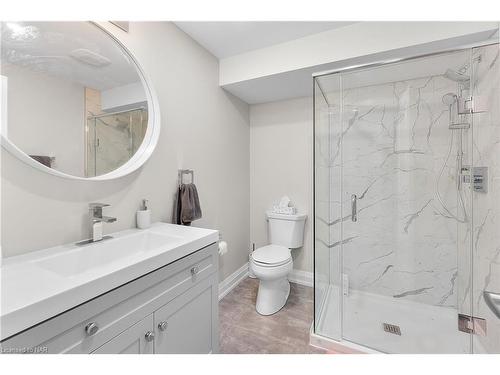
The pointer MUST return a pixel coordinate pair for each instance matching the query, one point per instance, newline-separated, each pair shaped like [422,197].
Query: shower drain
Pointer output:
[392,328]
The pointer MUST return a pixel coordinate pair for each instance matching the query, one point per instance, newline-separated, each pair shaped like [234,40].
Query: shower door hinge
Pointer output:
[472,104]
[472,324]
[345,284]
[465,105]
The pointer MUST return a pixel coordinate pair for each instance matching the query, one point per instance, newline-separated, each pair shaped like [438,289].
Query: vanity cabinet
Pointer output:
[173,309]
[137,339]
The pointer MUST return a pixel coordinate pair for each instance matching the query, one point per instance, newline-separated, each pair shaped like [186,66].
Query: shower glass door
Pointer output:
[406,207]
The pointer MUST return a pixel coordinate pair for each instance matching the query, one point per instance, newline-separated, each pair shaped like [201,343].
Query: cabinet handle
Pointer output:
[149,336]
[162,326]
[195,270]
[91,328]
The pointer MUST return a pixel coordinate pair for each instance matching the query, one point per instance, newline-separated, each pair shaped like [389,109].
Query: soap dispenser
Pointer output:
[143,216]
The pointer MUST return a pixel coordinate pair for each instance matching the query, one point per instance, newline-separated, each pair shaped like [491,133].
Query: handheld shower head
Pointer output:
[449,99]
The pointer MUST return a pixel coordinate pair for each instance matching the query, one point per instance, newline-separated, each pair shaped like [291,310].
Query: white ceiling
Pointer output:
[224,39]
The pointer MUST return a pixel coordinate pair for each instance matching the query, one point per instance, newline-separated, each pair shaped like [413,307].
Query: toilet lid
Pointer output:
[271,254]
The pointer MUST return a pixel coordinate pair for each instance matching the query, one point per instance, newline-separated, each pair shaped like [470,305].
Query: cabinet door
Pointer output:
[188,324]
[138,339]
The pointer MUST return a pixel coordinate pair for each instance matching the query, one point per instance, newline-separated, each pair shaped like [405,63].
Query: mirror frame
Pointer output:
[147,146]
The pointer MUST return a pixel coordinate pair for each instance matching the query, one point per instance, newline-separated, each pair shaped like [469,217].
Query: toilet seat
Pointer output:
[271,256]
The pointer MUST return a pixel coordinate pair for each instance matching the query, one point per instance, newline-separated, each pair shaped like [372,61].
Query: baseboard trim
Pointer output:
[230,282]
[301,277]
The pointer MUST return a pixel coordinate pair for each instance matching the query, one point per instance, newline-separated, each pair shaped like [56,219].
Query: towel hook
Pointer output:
[183,172]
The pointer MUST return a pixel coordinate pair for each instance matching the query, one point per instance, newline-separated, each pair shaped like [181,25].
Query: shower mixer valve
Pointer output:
[479,178]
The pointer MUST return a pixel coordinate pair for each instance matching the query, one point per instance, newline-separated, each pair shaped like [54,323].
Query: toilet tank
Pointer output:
[286,230]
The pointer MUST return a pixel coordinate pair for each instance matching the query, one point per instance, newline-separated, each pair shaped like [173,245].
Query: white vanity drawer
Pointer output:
[137,339]
[115,311]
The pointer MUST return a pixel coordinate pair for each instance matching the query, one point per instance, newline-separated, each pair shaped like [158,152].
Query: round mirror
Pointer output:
[74,102]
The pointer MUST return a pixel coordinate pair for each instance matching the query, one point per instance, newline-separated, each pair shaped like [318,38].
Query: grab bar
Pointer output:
[493,302]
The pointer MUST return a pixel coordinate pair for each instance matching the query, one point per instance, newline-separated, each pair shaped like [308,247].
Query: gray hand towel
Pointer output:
[187,205]
[176,213]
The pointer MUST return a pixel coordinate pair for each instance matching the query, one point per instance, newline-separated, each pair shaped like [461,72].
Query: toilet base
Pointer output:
[272,295]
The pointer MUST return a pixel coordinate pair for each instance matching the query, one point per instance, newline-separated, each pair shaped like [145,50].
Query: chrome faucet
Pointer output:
[96,220]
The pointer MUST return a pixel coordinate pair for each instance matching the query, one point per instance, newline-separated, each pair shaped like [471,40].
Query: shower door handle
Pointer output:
[354,207]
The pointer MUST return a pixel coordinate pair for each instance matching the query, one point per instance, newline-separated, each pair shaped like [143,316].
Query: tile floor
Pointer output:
[244,331]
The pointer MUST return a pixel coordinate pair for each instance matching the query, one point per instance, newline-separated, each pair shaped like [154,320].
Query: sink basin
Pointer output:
[98,255]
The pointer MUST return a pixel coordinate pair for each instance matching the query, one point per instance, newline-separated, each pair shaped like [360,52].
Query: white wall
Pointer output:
[203,128]
[44,113]
[280,159]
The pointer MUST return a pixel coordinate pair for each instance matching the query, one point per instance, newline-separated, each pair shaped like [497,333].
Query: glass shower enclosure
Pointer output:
[407,204]
[112,139]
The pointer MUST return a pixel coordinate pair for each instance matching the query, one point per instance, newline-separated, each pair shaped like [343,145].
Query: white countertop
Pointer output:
[41,284]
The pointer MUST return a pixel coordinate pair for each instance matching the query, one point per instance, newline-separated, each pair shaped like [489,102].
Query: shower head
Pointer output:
[449,98]
[457,77]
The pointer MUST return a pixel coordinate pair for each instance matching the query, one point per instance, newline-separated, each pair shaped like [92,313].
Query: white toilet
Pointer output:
[271,264]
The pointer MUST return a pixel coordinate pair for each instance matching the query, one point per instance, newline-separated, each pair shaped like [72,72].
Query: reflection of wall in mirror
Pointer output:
[92,102]
[46,117]
[124,97]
